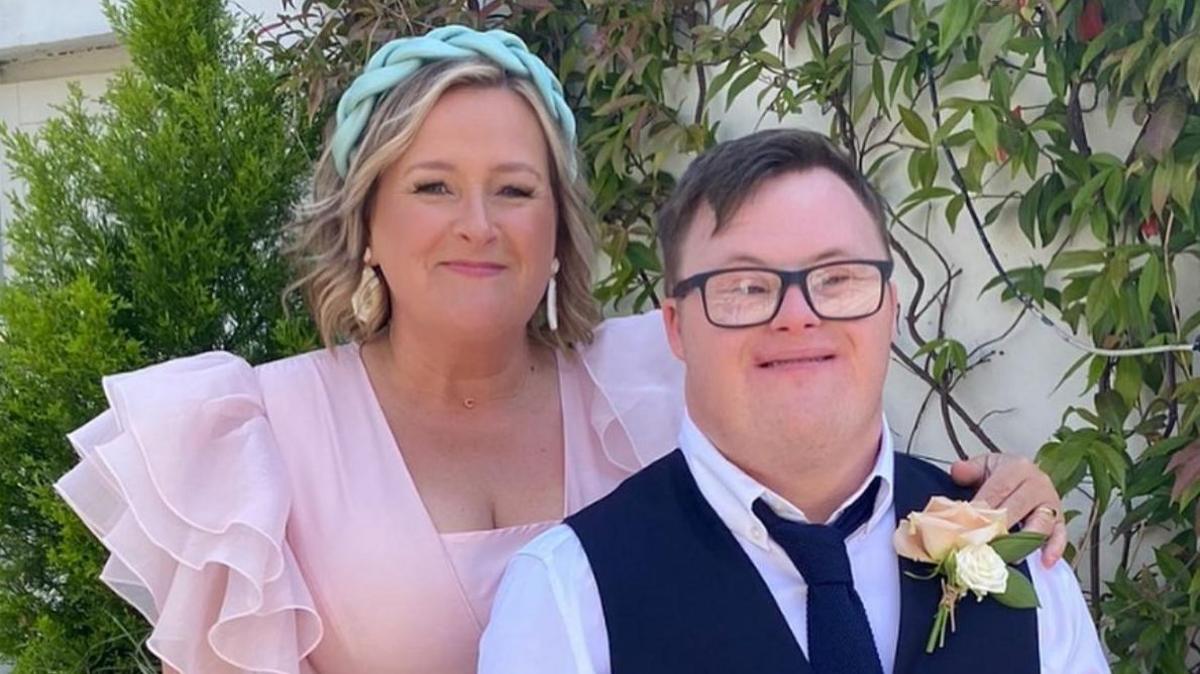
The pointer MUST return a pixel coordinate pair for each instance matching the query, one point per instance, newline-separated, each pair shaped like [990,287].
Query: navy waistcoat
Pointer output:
[680,595]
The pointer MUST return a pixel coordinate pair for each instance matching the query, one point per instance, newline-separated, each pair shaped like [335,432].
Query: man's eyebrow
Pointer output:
[754,260]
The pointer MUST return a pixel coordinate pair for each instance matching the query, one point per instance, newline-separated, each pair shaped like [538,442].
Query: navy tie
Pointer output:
[839,636]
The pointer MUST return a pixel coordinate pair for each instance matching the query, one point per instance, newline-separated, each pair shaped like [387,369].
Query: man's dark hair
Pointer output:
[728,173]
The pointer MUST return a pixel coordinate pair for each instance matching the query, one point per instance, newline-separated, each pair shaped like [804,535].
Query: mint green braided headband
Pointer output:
[399,58]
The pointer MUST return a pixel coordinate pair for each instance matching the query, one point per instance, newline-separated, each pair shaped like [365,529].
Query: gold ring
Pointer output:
[1051,512]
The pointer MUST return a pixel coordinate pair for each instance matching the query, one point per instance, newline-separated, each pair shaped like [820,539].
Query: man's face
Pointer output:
[796,375]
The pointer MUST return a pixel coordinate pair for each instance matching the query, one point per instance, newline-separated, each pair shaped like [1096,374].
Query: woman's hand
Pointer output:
[1016,483]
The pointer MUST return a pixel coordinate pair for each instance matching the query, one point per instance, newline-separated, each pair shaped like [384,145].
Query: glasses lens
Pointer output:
[736,298]
[845,290]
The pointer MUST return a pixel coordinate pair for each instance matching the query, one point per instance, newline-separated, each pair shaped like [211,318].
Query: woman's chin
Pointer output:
[481,324]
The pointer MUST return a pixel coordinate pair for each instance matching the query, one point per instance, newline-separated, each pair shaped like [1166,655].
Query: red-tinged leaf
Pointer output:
[1150,227]
[1090,23]
[1164,127]
[1001,155]
[1016,114]
[1186,466]
[803,14]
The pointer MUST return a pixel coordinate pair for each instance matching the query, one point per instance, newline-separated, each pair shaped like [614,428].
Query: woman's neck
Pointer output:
[436,370]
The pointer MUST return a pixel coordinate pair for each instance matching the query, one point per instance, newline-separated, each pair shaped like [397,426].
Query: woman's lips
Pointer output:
[474,269]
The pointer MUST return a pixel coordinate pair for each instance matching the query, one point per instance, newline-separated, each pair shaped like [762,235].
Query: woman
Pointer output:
[352,509]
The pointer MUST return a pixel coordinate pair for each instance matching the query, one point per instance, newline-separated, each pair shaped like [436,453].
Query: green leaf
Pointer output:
[1160,188]
[1027,211]
[892,6]
[949,124]
[953,209]
[1014,547]
[1094,48]
[986,129]
[1129,380]
[1019,593]
[745,79]
[618,103]
[1112,408]
[1193,71]
[914,124]
[1074,259]
[878,85]
[1183,187]
[722,78]
[1112,190]
[863,15]
[1148,281]
[1056,74]
[1063,462]
[642,256]
[953,20]
[995,40]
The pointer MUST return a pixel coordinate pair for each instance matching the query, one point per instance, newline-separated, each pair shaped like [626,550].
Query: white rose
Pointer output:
[981,570]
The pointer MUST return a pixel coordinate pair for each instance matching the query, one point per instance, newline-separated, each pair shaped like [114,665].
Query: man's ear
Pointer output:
[893,299]
[672,324]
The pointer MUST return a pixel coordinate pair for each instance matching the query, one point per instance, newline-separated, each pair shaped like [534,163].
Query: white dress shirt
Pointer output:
[547,617]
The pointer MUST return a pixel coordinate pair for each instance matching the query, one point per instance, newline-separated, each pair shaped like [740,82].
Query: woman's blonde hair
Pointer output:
[329,233]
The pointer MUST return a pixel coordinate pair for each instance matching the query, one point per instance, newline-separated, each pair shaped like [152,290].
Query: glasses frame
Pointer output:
[787,279]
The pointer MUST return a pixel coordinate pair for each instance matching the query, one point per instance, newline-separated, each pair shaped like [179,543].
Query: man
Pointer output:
[782,309]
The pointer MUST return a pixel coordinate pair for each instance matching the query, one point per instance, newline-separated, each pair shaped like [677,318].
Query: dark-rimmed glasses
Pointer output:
[743,297]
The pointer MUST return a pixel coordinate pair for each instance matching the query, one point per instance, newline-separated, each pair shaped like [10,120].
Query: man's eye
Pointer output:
[432,187]
[516,191]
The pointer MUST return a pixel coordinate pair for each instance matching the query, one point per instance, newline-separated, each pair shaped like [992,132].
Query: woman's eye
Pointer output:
[516,191]
[433,187]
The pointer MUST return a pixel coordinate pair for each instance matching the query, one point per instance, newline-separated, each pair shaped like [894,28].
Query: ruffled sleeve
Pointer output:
[640,382]
[182,481]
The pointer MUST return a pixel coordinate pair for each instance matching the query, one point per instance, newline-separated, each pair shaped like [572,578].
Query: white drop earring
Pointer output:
[552,297]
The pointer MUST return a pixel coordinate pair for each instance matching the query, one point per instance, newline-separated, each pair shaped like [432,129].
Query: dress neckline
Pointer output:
[380,419]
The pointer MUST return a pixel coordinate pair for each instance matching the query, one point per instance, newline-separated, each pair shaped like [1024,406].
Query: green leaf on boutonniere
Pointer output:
[1019,591]
[1015,547]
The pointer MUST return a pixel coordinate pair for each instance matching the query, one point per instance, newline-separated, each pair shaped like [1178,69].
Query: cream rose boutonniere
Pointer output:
[969,548]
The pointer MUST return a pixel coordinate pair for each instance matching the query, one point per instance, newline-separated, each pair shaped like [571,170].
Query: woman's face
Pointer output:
[463,224]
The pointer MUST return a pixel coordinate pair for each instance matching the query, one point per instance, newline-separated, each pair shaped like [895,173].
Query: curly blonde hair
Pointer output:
[329,233]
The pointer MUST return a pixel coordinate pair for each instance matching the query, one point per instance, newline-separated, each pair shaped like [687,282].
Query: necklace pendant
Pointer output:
[469,403]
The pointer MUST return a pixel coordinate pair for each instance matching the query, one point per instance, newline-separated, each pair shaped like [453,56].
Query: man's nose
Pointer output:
[795,312]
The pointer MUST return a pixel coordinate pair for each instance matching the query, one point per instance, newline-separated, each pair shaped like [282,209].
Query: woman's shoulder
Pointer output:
[632,352]
[182,480]
[640,382]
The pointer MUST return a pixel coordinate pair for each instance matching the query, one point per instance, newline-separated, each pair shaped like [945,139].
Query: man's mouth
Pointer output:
[795,361]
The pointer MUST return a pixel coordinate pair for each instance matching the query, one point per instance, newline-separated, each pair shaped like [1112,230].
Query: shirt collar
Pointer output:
[732,493]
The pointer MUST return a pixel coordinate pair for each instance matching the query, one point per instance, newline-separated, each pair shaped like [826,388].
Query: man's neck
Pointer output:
[817,472]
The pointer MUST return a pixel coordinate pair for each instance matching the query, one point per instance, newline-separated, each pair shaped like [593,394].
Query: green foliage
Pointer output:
[151,228]
[982,106]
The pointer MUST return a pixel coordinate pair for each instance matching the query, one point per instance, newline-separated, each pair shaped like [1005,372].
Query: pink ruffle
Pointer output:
[182,481]
[641,389]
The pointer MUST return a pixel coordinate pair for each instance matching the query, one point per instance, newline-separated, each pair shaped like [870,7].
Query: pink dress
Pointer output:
[263,520]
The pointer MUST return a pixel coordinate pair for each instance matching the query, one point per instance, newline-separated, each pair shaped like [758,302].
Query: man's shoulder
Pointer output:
[637,496]
[918,475]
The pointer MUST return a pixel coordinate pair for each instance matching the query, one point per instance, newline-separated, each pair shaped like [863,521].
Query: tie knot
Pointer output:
[818,551]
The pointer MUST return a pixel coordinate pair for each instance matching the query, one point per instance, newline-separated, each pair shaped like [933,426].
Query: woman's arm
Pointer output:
[1017,484]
